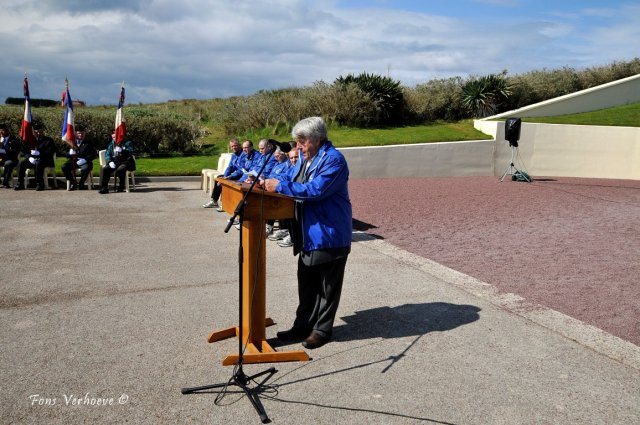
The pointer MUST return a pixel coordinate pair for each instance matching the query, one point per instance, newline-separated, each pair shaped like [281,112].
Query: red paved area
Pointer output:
[569,244]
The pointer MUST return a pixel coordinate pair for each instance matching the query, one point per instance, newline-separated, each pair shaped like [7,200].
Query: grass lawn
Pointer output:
[625,116]
[341,137]
[173,166]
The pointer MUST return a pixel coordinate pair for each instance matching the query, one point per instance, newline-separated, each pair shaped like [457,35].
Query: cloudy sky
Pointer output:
[212,48]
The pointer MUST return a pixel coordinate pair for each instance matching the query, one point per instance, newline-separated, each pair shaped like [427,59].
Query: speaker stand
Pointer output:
[511,169]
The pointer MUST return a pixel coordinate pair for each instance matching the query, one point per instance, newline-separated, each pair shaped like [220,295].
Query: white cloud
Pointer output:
[207,49]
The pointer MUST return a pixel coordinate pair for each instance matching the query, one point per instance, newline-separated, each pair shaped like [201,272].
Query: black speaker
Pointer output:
[512,130]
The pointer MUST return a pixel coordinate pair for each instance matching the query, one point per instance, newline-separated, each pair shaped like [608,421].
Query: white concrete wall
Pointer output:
[573,151]
[471,158]
[544,150]
[615,93]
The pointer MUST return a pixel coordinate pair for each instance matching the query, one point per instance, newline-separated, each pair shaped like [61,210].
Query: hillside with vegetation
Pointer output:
[363,109]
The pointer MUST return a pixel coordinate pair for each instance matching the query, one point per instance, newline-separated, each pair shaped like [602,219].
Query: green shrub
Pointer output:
[436,100]
[385,95]
[152,130]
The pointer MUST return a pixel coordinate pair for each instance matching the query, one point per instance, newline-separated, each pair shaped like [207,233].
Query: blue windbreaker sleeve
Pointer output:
[328,177]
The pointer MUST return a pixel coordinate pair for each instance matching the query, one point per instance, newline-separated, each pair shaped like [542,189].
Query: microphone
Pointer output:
[284,146]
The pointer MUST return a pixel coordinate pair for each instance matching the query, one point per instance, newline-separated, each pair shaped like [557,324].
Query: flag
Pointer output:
[121,127]
[68,131]
[26,131]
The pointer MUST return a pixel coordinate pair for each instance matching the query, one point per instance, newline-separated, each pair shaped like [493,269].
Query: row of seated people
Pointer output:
[245,165]
[119,159]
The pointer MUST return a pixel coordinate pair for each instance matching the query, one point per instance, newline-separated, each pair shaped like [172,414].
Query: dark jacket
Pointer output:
[85,150]
[12,147]
[124,157]
[46,148]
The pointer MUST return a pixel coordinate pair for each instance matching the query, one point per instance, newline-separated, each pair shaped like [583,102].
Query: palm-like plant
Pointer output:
[482,96]
[385,93]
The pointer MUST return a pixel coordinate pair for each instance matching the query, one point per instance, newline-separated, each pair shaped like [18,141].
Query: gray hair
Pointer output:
[312,128]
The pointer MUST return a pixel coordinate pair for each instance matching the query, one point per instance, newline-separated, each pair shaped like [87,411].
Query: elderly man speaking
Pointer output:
[321,230]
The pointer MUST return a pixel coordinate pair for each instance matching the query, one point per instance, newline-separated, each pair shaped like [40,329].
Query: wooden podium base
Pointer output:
[253,354]
[258,207]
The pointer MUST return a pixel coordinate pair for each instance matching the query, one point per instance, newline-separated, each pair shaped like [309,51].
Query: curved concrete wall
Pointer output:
[615,93]
[544,150]
[471,158]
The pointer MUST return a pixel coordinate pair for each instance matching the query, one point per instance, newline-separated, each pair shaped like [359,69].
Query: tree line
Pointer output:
[363,101]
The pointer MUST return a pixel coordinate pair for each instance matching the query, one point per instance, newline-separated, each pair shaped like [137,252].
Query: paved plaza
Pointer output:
[107,301]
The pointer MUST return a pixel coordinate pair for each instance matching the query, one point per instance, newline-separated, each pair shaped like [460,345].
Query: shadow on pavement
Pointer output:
[405,320]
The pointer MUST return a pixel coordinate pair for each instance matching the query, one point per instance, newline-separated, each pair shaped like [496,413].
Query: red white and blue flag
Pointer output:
[26,131]
[68,131]
[121,127]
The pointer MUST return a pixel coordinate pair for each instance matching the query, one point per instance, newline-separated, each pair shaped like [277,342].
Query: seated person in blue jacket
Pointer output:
[265,149]
[321,231]
[232,172]
[80,158]
[282,236]
[10,148]
[38,158]
[251,162]
[282,165]
[119,159]
[279,170]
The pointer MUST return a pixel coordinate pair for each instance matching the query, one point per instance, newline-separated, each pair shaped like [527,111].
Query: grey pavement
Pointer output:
[111,298]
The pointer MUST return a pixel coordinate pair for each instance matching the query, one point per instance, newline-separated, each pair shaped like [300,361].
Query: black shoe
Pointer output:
[73,186]
[39,188]
[103,191]
[83,187]
[19,187]
[120,190]
[315,340]
[292,334]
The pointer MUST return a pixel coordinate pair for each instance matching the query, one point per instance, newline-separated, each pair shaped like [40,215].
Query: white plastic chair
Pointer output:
[210,175]
[204,179]
[89,178]
[102,155]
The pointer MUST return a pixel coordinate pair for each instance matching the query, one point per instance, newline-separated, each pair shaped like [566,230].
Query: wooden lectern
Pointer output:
[260,207]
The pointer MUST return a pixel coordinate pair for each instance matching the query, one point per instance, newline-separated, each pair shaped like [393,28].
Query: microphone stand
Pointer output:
[239,378]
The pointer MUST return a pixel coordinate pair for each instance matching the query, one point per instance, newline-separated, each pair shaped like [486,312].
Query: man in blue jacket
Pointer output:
[321,230]
[232,172]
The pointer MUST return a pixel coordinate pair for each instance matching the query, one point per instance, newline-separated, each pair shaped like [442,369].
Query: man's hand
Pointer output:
[271,184]
[112,164]
[81,162]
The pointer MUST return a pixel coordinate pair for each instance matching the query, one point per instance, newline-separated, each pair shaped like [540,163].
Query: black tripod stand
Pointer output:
[512,169]
[239,378]
[512,128]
